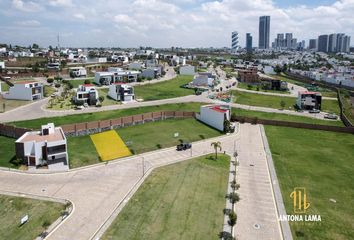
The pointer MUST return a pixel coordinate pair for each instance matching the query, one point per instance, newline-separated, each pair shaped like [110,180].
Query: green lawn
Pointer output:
[164,90]
[4,86]
[142,138]
[322,162]
[146,137]
[260,100]
[86,117]
[12,209]
[254,88]
[48,90]
[76,83]
[284,117]
[107,100]
[7,152]
[180,201]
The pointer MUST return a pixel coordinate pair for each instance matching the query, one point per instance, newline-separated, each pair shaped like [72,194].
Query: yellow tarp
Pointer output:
[109,145]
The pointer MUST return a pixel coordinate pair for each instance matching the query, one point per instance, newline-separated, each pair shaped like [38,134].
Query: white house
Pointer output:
[214,115]
[121,92]
[47,146]
[187,70]
[136,65]
[78,71]
[107,78]
[2,65]
[86,93]
[25,91]
[203,80]
[102,60]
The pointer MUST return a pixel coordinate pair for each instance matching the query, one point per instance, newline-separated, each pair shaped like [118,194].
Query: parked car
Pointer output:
[314,111]
[183,146]
[331,116]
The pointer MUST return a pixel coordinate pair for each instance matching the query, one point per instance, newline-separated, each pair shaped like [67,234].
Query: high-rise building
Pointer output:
[248,42]
[234,41]
[323,43]
[289,40]
[264,30]
[346,45]
[332,43]
[340,42]
[313,44]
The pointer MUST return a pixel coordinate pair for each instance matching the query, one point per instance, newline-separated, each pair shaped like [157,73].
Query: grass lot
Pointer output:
[347,108]
[285,117]
[11,104]
[13,208]
[324,91]
[260,100]
[254,88]
[86,117]
[322,162]
[7,152]
[141,138]
[107,100]
[180,201]
[164,90]
[4,86]
[76,83]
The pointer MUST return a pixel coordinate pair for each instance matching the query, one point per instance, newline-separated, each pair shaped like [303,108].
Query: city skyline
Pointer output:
[156,23]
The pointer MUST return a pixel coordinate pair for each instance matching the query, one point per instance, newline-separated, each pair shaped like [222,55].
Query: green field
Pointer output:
[322,162]
[285,117]
[142,138]
[7,152]
[86,117]
[107,100]
[76,83]
[164,90]
[180,201]
[11,104]
[12,209]
[260,100]
[254,88]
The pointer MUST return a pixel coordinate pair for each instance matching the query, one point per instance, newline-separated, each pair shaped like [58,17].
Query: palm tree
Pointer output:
[216,145]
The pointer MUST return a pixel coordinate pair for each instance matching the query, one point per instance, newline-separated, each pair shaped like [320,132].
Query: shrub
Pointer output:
[227,211]
[226,236]
[101,98]
[87,81]
[50,80]
[57,85]
[233,197]
[232,218]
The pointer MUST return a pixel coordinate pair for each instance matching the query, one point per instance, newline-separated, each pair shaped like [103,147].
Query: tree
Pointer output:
[282,104]
[35,46]
[232,219]
[277,69]
[87,81]
[216,145]
[233,197]
[101,99]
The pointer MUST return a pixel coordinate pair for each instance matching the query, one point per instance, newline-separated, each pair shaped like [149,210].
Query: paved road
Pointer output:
[96,191]
[257,205]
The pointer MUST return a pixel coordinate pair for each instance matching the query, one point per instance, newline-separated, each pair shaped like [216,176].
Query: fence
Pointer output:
[86,128]
[255,120]
[11,131]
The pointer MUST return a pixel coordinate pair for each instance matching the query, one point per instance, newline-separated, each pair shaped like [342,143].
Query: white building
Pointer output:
[121,92]
[107,78]
[47,146]
[214,115]
[203,80]
[86,93]
[78,71]
[136,66]
[25,91]
[187,70]
[102,60]
[2,65]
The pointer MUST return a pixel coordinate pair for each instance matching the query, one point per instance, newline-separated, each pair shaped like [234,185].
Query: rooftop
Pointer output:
[36,136]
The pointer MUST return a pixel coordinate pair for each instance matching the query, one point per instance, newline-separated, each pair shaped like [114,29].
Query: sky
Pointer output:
[166,23]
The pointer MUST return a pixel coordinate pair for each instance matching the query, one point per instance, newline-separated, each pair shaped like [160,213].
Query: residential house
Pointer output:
[214,115]
[203,80]
[135,66]
[86,93]
[25,91]
[248,75]
[2,66]
[187,70]
[78,72]
[307,100]
[115,75]
[44,147]
[121,92]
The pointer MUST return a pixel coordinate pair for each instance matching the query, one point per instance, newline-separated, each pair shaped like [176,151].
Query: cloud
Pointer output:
[61,3]
[79,16]
[28,23]
[26,6]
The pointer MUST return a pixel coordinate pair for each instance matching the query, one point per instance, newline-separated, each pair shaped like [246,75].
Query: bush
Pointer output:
[57,85]
[87,81]
[50,80]
[233,117]
[101,98]
[233,197]
[149,78]
[226,236]
[232,218]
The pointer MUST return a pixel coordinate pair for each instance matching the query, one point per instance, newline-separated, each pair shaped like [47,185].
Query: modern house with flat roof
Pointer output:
[214,115]
[86,93]
[187,70]
[77,72]
[309,100]
[113,76]
[25,91]
[44,147]
[121,92]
